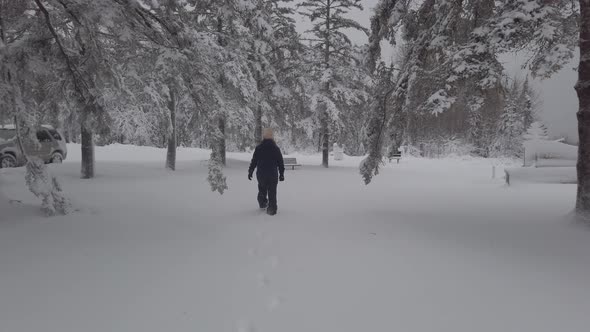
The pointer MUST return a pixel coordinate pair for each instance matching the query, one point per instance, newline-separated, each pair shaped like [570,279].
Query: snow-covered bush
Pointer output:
[215,177]
[440,148]
[46,187]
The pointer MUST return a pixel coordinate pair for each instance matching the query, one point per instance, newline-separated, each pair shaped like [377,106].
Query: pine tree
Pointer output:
[334,48]
[536,132]
[517,116]
[475,122]
[508,141]
[527,100]
[274,61]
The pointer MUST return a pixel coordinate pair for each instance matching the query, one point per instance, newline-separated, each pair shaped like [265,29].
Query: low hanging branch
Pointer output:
[42,184]
[76,76]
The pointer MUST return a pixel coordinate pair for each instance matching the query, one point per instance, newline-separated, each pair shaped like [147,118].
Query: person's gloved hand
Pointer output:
[250,176]
[282,178]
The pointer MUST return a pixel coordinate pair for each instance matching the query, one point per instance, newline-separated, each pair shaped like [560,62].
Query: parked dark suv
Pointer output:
[51,148]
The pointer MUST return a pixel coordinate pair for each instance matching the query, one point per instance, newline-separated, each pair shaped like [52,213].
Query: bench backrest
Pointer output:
[396,155]
[290,161]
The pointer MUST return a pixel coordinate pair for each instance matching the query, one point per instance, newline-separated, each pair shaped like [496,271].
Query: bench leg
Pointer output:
[398,160]
[293,168]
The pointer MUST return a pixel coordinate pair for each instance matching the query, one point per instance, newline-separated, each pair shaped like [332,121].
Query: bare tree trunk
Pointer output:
[325,142]
[325,128]
[171,154]
[583,90]
[87,169]
[222,141]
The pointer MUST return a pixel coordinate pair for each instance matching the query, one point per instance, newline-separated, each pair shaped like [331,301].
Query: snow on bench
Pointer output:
[291,162]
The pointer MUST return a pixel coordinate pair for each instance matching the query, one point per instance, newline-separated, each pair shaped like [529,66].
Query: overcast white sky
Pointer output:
[559,100]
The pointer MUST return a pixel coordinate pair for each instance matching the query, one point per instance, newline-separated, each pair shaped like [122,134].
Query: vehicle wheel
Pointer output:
[7,161]
[57,158]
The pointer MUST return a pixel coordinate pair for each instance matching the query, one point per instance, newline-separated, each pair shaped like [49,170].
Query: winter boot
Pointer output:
[263,205]
[271,211]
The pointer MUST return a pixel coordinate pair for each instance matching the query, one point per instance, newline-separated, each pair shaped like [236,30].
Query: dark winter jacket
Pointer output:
[267,160]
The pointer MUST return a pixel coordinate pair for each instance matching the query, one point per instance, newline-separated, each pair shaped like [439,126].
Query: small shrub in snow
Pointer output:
[46,187]
[216,179]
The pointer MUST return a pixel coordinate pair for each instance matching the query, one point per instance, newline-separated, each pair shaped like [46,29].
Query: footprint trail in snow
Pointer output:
[269,263]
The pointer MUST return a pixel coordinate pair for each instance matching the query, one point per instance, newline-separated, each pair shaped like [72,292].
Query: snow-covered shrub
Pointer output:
[215,177]
[46,187]
[440,148]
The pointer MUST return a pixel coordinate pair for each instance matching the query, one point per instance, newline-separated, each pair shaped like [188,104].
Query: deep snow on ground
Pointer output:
[431,245]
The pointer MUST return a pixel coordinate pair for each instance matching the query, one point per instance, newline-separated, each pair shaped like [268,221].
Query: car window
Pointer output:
[7,134]
[43,136]
[55,134]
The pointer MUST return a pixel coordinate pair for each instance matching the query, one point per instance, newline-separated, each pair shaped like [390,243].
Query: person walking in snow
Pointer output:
[270,169]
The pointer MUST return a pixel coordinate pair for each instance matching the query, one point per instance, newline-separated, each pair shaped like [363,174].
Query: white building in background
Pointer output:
[544,153]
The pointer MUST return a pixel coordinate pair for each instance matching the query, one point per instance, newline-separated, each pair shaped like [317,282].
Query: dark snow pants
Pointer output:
[267,191]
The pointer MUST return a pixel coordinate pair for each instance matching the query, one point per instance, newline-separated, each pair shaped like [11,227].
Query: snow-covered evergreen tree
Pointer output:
[451,74]
[508,140]
[528,104]
[536,132]
[334,64]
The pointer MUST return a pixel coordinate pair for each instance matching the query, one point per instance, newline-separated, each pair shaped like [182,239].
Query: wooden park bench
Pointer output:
[291,162]
[397,156]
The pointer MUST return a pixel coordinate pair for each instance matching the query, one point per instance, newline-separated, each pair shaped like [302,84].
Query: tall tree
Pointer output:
[536,132]
[274,59]
[583,90]
[334,46]
[508,138]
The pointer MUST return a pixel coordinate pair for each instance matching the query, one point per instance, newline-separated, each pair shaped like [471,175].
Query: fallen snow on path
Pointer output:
[431,245]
